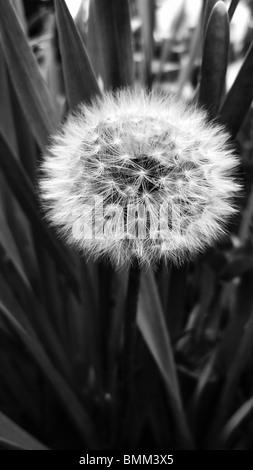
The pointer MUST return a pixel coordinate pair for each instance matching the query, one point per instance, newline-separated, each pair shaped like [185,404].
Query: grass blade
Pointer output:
[215,57]
[34,311]
[233,354]
[23,191]
[6,115]
[19,7]
[194,53]
[241,311]
[72,407]
[80,81]
[114,40]
[14,436]
[208,9]
[7,214]
[235,422]
[7,241]
[232,8]
[13,125]
[239,97]
[152,325]
[93,48]
[27,79]
[147,13]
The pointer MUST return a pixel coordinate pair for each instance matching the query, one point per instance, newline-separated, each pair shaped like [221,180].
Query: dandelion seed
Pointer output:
[168,170]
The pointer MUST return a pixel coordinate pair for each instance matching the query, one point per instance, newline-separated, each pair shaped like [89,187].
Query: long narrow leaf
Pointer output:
[239,97]
[35,314]
[23,190]
[147,13]
[80,81]
[27,150]
[215,57]
[44,280]
[152,325]
[6,116]
[73,408]
[236,422]
[194,52]
[7,212]
[27,79]
[209,4]
[235,365]
[14,436]
[19,7]
[7,241]
[112,20]
[12,126]
[240,314]
[232,8]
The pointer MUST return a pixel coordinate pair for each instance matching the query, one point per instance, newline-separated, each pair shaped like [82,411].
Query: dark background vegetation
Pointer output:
[61,316]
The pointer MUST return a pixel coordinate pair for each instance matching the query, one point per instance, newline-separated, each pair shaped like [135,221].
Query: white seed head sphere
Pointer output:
[139,176]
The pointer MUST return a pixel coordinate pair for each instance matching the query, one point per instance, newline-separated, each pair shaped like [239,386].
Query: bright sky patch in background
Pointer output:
[73,6]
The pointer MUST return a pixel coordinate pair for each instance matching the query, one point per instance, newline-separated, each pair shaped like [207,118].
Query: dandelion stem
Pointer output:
[129,343]
[130,325]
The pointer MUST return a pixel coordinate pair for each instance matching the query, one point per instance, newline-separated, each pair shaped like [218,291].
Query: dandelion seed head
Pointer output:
[154,154]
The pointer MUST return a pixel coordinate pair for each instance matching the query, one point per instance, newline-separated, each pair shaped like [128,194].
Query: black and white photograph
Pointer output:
[126,231]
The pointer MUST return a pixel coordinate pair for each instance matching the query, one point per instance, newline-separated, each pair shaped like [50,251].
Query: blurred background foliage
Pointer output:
[61,315]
